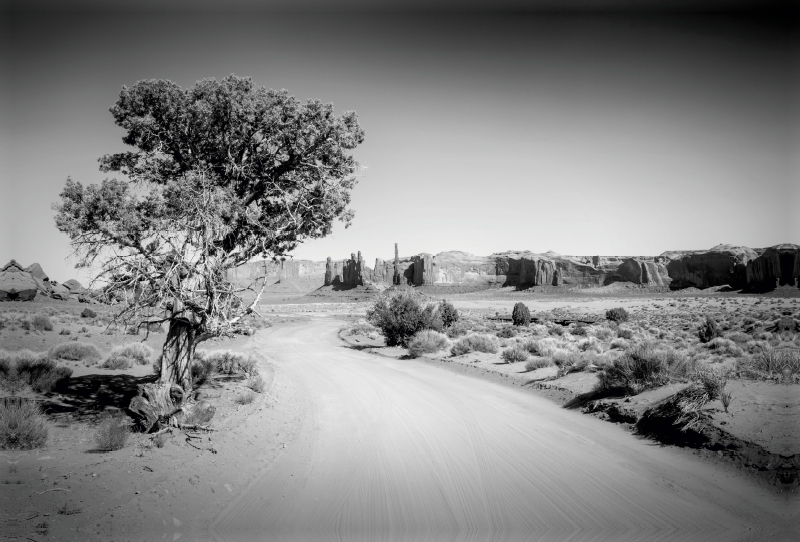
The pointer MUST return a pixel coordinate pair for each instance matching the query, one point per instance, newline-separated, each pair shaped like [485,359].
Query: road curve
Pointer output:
[402,450]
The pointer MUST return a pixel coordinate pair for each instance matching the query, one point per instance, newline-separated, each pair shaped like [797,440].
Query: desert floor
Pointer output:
[345,444]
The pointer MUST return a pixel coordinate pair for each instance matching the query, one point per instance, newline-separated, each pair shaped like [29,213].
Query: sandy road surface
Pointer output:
[400,450]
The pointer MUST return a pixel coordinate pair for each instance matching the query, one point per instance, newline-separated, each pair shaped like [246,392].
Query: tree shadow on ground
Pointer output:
[91,396]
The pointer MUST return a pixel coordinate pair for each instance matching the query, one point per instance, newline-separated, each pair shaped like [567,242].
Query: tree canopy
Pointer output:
[221,173]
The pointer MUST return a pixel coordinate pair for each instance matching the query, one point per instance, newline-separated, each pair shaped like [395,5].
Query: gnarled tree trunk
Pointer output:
[178,351]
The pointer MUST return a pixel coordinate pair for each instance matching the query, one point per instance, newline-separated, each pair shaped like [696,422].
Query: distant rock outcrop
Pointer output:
[16,284]
[776,266]
[719,266]
[640,271]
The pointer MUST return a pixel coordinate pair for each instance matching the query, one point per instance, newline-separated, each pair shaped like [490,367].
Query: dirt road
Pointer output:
[400,450]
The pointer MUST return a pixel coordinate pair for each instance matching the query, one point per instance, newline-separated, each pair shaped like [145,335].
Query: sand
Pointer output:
[401,450]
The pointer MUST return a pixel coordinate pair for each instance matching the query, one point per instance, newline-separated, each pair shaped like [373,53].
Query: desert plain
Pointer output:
[323,432]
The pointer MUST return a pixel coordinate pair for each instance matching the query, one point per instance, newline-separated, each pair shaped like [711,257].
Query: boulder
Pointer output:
[778,265]
[37,272]
[719,266]
[17,286]
[73,286]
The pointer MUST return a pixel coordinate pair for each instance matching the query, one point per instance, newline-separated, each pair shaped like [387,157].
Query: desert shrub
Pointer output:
[41,322]
[112,433]
[713,382]
[538,363]
[75,351]
[132,330]
[257,384]
[41,374]
[138,353]
[245,398]
[400,315]
[538,329]
[726,347]
[738,337]
[46,382]
[625,333]
[201,370]
[580,330]
[617,314]
[155,327]
[619,343]
[117,363]
[88,313]
[360,328]
[506,332]
[590,345]
[427,341]
[565,358]
[708,330]
[475,342]
[644,367]
[515,354]
[64,331]
[457,329]
[228,362]
[448,313]
[22,425]
[556,330]
[603,333]
[520,315]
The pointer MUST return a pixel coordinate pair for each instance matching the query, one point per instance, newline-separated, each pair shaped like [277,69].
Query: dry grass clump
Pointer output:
[124,357]
[112,433]
[26,367]
[75,351]
[427,341]
[459,328]
[257,384]
[245,398]
[228,362]
[476,342]
[725,347]
[538,363]
[515,354]
[41,322]
[769,362]
[619,343]
[642,367]
[362,328]
[625,333]
[201,370]
[22,425]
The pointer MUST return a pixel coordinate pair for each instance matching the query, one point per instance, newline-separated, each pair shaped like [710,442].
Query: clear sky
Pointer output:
[485,131]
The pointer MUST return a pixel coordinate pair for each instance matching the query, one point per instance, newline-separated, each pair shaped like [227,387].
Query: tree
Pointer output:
[222,172]
[520,315]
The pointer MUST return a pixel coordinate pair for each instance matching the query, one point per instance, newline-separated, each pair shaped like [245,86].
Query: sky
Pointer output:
[487,128]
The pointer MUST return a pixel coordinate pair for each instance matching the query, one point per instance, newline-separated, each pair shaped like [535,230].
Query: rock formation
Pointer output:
[423,269]
[640,271]
[776,266]
[396,276]
[16,284]
[719,266]
[328,272]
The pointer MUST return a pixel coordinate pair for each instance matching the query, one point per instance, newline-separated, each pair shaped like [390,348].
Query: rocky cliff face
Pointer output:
[719,266]
[278,270]
[640,271]
[776,266]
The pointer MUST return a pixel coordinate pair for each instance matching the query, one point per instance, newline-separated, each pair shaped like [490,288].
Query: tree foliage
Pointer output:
[221,173]
[400,315]
[520,315]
